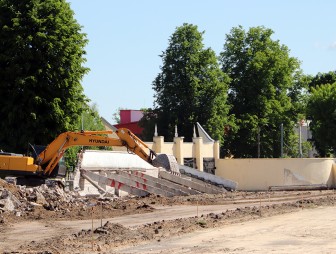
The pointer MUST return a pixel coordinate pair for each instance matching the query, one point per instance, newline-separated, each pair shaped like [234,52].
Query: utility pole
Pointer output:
[282,141]
[258,142]
[82,122]
[300,141]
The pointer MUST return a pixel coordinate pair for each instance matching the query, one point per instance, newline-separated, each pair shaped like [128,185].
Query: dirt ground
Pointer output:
[142,225]
[303,231]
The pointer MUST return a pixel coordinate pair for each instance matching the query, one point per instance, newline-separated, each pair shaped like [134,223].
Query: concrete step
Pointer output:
[95,178]
[142,178]
[203,188]
[136,183]
[210,178]
[133,182]
[216,188]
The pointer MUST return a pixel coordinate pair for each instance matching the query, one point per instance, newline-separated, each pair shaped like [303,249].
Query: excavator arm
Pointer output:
[49,158]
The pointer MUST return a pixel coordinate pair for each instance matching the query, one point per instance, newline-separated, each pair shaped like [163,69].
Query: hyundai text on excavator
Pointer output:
[45,164]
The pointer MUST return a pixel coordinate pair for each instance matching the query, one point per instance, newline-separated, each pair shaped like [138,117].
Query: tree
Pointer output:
[116,115]
[148,122]
[298,94]
[262,74]
[89,121]
[322,79]
[190,88]
[322,110]
[41,66]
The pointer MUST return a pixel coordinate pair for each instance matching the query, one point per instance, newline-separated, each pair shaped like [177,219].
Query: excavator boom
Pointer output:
[49,158]
[46,162]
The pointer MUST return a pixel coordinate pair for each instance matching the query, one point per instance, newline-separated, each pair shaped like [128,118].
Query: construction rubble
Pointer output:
[53,202]
[21,200]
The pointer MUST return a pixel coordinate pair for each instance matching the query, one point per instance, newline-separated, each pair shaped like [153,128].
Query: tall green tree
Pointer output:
[89,121]
[322,110]
[41,67]
[190,88]
[299,94]
[322,79]
[262,74]
[148,122]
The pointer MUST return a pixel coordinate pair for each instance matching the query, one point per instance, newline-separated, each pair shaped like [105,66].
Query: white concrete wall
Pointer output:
[98,159]
[208,149]
[188,150]
[180,149]
[167,148]
[260,174]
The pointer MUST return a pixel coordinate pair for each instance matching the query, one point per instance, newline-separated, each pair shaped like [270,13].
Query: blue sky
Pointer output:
[127,37]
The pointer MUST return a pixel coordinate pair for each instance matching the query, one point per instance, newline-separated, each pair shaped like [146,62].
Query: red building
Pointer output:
[129,119]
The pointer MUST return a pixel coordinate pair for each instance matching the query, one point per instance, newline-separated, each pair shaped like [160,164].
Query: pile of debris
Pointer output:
[21,200]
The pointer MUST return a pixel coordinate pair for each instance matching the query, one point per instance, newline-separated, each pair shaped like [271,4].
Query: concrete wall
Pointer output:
[260,174]
[97,160]
[180,149]
[251,174]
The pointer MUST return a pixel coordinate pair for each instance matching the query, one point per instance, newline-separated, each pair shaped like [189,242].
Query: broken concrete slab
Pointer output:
[203,188]
[213,179]
[156,182]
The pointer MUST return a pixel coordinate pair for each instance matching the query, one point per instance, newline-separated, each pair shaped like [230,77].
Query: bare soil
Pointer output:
[132,221]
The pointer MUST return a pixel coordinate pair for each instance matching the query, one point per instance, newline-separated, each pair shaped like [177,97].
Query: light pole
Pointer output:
[281,140]
[300,138]
[258,137]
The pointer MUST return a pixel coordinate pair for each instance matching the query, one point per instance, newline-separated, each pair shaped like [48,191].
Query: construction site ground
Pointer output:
[232,222]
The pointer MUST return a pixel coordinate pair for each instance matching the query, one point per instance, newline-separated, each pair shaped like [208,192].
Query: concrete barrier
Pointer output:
[261,174]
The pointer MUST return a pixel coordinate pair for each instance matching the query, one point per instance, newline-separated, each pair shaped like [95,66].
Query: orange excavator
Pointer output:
[46,163]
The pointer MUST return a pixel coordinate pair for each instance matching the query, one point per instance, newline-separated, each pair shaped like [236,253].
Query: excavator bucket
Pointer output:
[168,162]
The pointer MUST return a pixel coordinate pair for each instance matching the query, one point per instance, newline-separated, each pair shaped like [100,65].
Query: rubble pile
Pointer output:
[21,200]
[53,202]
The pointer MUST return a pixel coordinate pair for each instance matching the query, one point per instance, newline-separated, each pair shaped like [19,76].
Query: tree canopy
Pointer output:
[190,88]
[90,121]
[322,79]
[322,111]
[41,66]
[262,74]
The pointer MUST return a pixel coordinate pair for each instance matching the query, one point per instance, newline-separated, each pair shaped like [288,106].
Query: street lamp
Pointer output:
[300,123]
